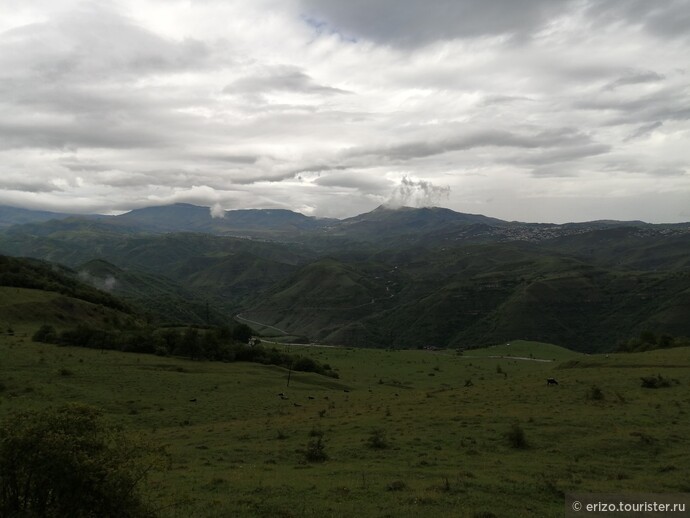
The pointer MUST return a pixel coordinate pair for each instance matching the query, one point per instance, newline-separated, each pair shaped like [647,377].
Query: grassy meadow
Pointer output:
[406,433]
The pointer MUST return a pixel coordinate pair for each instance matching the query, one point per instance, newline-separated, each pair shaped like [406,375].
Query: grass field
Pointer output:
[440,420]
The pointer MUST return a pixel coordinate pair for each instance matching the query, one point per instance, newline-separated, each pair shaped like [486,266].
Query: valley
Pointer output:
[388,278]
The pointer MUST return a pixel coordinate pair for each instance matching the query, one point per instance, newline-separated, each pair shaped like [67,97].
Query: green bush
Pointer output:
[65,462]
[316,450]
[655,382]
[377,439]
[45,334]
[516,437]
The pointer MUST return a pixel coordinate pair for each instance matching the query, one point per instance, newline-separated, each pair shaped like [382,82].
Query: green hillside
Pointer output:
[10,216]
[154,295]
[465,296]
[23,308]
[405,433]
[30,273]
[392,278]
[523,349]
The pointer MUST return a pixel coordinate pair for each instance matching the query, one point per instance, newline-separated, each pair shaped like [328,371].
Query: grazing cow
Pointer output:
[311,397]
[551,381]
[282,396]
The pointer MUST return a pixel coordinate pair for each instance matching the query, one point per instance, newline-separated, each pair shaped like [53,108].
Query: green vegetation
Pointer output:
[236,448]
[444,428]
[67,462]
[648,341]
[388,278]
[219,344]
[516,437]
[27,273]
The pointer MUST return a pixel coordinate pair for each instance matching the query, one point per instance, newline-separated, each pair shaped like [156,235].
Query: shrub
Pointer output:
[654,382]
[315,432]
[377,439]
[594,393]
[516,437]
[316,450]
[396,485]
[46,334]
[65,462]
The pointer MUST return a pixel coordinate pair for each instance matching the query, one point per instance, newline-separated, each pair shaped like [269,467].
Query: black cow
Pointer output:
[551,381]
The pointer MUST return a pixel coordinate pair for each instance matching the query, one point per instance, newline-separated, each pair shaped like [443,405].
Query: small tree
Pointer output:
[65,462]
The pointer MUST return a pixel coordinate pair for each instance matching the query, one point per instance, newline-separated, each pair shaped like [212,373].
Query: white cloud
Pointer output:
[217,211]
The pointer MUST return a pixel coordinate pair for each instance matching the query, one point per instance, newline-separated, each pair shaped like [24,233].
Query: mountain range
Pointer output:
[388,278]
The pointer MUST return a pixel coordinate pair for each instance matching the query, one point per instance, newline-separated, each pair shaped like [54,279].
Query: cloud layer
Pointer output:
[533,110]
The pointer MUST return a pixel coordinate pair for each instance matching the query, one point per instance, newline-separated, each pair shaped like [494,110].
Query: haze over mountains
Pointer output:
[387,278]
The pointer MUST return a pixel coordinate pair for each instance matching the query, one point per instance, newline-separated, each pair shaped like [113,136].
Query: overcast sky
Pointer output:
[531,110]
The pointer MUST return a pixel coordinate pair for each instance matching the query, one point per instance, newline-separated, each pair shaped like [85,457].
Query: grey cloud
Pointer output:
[319,169]
[635,78]
[488,138]
[645,129]
[553,171]
[668,171]
[78,166]
[229,158]
[504,99]
[560,155]
[280,79]
[75,134]
[670,18]
[672,103]
[69,83]
[252,177]
[410,23]
[8,183]
[354,180]
[97,43]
